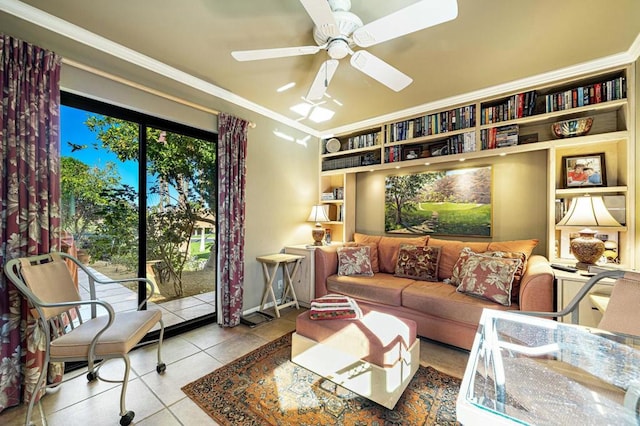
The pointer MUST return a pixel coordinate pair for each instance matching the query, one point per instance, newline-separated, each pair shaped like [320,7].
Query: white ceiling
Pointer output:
[167,44]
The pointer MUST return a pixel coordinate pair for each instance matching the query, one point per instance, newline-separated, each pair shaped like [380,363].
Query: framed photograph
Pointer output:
[581,171]
[411,152]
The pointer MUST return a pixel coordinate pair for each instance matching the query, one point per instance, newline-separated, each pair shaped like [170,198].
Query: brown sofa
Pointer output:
[441,312]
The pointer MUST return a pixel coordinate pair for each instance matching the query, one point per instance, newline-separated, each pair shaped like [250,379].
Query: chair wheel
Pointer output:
[127,418]
[91,376]
[161,368]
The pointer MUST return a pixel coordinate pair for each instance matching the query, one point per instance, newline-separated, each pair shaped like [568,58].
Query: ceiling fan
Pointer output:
[337,31]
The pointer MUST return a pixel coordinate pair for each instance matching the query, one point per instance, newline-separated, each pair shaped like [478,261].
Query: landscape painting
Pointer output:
[456,202]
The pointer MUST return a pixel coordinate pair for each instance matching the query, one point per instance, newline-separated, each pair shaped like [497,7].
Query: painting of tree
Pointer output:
[456,202]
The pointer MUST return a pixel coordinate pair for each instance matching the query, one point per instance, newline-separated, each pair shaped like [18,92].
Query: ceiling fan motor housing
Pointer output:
[347,23]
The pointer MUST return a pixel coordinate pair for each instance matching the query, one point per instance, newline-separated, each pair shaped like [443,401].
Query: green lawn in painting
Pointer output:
[453,218]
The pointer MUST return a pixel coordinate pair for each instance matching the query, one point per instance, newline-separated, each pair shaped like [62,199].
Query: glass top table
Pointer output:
[528,370]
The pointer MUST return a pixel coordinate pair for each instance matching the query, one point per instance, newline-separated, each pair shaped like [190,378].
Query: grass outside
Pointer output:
[195,279]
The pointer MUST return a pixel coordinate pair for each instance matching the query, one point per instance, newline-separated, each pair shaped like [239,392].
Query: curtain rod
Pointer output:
[130,83]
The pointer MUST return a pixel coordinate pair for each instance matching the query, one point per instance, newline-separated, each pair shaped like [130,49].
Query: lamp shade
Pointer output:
[589,211]
[318,214]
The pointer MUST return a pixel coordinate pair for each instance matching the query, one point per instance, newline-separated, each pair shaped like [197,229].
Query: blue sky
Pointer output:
[73,130]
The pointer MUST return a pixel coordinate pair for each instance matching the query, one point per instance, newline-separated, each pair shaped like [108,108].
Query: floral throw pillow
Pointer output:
[455,274]
[488,277]
[354,261]
[515,288]
[420,263]
[464,255]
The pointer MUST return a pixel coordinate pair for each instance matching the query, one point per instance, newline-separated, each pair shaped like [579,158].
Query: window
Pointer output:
[167,235]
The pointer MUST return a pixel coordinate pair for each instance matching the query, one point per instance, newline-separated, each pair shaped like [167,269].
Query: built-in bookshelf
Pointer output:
[516,122]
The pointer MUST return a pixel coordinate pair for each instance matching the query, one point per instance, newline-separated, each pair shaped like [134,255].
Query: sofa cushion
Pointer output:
[443,301]
[522,246]
[418,262]
[450,252]
[381,288]
[488,277]
[388,248]
[354,261]
[372,242]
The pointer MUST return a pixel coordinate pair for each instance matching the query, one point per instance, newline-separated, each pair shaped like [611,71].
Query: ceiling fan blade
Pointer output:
[323,77]
[322,16]
[255,55]
[418,16]
[379,70]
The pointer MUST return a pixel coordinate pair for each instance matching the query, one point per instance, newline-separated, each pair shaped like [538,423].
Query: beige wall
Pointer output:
[282,176]
[635,135]
[519,197]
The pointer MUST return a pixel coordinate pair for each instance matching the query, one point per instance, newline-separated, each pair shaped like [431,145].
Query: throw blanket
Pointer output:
[334,306]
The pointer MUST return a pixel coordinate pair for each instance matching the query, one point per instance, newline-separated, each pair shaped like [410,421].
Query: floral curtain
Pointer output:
[232,152]
[29,190]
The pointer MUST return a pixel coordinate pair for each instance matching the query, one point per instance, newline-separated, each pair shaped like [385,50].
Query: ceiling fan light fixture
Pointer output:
[321,114]
[338,49]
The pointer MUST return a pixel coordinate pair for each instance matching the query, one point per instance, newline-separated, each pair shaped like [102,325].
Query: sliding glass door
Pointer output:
[181,226]
[167,235]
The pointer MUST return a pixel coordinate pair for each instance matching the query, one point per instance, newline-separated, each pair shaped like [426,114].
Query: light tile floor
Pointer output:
[158,399]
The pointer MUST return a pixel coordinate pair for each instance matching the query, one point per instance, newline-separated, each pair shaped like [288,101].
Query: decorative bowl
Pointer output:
[571,128]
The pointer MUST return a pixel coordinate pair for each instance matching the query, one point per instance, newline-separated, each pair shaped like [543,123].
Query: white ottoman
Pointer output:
[375,357]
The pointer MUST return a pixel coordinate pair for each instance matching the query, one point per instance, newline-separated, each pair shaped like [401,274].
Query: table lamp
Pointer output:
[588,211]
[318,215]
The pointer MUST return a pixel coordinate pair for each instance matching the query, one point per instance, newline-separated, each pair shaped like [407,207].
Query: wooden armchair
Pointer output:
[45,281]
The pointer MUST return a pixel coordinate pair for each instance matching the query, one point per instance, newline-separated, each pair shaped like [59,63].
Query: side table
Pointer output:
[305,282]
[568,284]
[270,264]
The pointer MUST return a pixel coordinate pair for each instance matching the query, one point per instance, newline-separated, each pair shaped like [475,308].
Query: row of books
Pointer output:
[516,106]
[587,95]
[335,194]
[363,141]
[441,122]
[350,161]
[456,144]
[499,137]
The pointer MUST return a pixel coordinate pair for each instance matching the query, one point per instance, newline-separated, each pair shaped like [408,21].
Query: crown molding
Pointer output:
[79,34]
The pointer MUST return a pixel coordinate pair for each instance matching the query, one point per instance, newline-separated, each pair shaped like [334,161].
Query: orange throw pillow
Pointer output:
[372,242]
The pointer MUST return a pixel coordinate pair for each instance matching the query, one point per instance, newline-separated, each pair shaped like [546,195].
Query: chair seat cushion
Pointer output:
[127,330]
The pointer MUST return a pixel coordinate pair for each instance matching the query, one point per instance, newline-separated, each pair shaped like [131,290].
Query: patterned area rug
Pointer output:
[266,388]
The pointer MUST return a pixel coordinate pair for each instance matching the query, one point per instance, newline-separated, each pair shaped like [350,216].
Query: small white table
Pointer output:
[270,264]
